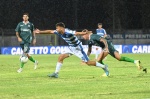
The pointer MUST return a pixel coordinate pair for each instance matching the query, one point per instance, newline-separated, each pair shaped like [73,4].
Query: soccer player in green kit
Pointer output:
[107,47]
[25,34]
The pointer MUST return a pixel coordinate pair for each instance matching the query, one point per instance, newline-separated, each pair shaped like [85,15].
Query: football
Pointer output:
[23,59]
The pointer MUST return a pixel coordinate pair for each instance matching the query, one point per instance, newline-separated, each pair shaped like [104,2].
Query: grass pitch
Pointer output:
[75,81]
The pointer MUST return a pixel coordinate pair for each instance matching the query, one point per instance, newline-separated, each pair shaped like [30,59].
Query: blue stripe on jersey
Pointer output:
[69,37]
[84,54]
[101,32]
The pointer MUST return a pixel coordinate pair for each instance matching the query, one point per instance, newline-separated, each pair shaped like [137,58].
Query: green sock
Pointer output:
[31,59]
[21,65]
[126,59]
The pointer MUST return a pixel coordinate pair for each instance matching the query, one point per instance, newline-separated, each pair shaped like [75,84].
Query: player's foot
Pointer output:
[35,64]
[19,70]
[106,71]
[54,75]
[138,64]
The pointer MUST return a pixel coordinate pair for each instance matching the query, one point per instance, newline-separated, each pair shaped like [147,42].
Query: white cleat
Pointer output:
[19,70]
[138,64]
[35,65]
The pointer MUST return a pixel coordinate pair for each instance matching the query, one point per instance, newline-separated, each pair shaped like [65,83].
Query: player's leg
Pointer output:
[102,56]
[60,62]
[82,55]
[21,64]
[126,59]
[26,51]
[66,53]
[100,59]
[96,53]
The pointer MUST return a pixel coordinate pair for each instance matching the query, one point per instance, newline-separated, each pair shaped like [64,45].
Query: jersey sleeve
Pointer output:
[90,43]
[32,27]
[105,32]
[96,31]
[55,32]
[18,28]
[70,31]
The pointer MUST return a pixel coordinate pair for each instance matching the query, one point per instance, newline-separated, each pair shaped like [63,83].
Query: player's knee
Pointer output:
[60,58]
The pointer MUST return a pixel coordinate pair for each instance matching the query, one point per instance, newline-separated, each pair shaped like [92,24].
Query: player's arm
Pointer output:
[89,51]
[89,48]
[18,37]
[33,35]
[105,34]
[44,31]
[17,33]
[105,43]
[82,33]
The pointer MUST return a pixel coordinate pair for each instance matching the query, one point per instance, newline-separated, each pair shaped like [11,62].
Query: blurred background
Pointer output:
[125,21]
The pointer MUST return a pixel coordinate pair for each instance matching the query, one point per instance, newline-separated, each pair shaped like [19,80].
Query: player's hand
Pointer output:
[19,39]
[37,31]
[34,41]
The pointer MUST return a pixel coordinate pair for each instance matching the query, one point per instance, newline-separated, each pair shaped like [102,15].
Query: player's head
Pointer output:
[86,36]
[99,25]
[25,16]
[60,27]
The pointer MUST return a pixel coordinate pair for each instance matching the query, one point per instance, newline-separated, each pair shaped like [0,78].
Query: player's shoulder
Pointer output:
[103,29]
[68,30]
[93,36]
[20,23]
[30,23]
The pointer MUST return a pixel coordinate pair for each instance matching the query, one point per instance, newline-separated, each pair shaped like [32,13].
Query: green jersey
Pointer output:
[25,31]
[95,40]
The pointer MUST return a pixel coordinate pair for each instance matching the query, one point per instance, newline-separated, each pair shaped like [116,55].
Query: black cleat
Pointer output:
[145,70]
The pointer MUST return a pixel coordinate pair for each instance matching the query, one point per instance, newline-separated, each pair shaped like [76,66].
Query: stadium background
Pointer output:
[126,21]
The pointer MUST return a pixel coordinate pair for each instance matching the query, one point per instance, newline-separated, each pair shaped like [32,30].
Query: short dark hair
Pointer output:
[99,23]
[61,24]
[26,14]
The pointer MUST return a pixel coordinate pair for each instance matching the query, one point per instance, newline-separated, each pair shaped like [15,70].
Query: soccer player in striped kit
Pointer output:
[101,32]
[74,48]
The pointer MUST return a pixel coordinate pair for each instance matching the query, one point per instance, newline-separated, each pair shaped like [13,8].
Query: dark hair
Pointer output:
[99,23]
[61,24]
[26,14]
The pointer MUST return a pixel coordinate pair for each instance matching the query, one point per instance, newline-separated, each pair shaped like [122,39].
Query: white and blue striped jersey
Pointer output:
[101,32]
[69,37]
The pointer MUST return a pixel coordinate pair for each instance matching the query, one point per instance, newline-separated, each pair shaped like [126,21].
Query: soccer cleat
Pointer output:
[19,70]
[145,70]
[54,75]
[106,71]
[35,65]
[138,64]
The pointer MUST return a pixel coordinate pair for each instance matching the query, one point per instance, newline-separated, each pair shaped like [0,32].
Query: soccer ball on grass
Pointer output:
[23,59]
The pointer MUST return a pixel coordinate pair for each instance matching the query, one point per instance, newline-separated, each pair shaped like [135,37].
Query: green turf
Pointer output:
[75,81]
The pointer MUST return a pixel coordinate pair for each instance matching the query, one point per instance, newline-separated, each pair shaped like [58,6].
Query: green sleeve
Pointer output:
[90,43]
[32,28]
[18,28]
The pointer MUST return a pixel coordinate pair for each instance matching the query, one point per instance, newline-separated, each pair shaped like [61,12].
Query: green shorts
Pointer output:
[111,48]
[25,47]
